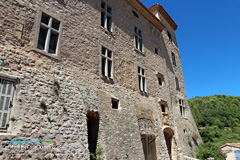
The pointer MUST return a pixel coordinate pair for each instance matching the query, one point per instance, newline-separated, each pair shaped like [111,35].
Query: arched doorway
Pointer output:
[168,134]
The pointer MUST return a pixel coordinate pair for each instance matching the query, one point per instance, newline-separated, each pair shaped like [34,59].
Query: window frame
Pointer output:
[14,81]
[138,38]
[173,59]
[107,59]
[37,27]
[169,36]
[142,76]
[160,76]
[164,103]
[177,84]
[114,100]
[182,108]
[108,26]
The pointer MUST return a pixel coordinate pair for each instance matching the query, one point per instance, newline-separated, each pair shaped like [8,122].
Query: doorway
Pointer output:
[93,127]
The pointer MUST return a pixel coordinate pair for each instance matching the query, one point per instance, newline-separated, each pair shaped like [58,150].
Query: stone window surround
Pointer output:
[161,76]
[177,84]
[118,103]
[138,40]
[155,46]
[143,86]
[106,15]
[107,59]
[37,29]
[182,107]
[162,102]
[16,80]
[173,59]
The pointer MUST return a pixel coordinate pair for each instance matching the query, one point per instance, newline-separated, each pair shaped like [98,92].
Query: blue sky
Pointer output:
[208,37]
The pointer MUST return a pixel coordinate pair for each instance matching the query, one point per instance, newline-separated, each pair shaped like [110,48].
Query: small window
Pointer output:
[138,39]
[173,59]
[107,63]
[177,84]
[115,103]
[169,36]
[135,14]
[164,108]
[160,79]
[182,108]
[6,97]
[141,79]
[106,16]
[48,36]
[156,50]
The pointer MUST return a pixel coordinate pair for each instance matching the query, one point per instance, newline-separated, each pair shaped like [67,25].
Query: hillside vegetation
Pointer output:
[217,118]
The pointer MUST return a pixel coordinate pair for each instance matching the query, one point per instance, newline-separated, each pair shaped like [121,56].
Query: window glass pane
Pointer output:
[103,4]
[53,43]
[140,43]
[136,30]
[7,103]
[10,85]
[139,70]
[160,81]
[109,54]
[42,38]
[109,9]
[139,81]
[109,68]
[139,33]
[103,65]
[103,51]
[45,18]
[4,120]
[1,102]
[5,83]
[55,24]
[136,41]
[143,72]
[109,23]
[102,19]
[163,108]
[143,79]
[156,50]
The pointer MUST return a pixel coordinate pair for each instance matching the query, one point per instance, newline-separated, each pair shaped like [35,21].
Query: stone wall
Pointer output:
[53,95]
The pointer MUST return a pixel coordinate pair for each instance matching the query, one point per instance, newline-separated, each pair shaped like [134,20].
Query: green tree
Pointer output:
[207,150]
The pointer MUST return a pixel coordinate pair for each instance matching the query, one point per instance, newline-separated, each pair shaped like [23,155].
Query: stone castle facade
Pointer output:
[83,75]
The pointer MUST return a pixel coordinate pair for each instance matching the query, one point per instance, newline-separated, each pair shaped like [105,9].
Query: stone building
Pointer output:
[78,75]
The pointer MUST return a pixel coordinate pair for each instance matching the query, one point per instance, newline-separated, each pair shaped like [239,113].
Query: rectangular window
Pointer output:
[169,36]
[106,16]
[177,84]
[107,63]
[48,36]
[115,103]
[141,79]
[164,107]
[173,59]
[6,96]
[138,39]
[182,108]
[156,50]
[160,79]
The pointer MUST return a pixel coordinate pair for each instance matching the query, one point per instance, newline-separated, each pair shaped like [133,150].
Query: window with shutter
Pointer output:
[149,146]
[6,95]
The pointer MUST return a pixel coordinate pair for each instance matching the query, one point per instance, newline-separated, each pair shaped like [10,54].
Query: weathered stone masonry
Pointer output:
[53,94]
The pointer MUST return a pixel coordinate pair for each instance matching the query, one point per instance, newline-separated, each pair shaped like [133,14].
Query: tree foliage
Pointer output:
[218,120]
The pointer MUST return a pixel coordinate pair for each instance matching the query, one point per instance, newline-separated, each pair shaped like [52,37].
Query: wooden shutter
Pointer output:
[149,147]
[145,146]
[6,95]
